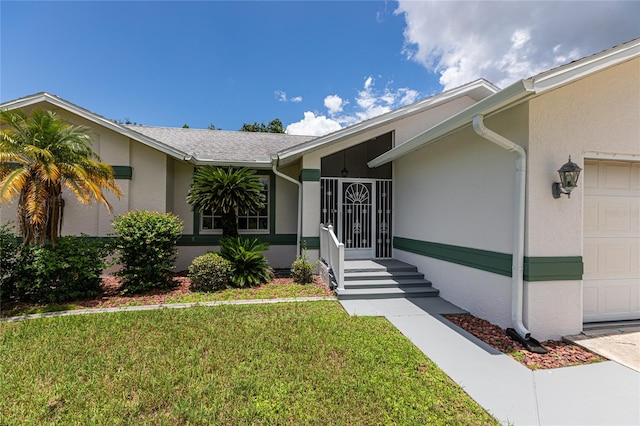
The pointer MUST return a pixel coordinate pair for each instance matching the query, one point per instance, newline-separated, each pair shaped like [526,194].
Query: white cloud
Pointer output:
[507,41]
[368,103]
[312,125]
[281,96]
[334,104]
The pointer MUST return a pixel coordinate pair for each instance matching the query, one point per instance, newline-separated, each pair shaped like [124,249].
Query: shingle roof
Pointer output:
[221,146]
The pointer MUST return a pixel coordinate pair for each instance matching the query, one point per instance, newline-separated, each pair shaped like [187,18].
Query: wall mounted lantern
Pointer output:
[344,171]
[569,174]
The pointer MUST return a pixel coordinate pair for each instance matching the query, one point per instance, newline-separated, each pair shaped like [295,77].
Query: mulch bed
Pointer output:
[561,354]
[112,298]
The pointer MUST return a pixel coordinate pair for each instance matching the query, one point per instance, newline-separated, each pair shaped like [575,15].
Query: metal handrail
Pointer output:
[332,253]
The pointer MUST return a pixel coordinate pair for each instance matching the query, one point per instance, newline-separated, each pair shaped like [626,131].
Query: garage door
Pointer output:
[611,241]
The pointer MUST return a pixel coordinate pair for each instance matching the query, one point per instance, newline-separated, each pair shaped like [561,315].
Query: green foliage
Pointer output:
[9,251]
[210,272]
[69,270]
[145,249]
[227,192]
[250,266]
[274,126]
[302,270]
[40,154]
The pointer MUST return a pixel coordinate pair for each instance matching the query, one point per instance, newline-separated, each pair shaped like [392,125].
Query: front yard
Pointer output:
[293,363]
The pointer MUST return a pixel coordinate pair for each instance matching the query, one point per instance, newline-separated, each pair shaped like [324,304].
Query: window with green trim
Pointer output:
[248,222]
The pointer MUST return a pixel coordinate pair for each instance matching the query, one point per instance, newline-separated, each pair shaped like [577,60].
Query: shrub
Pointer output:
[250,267]
[210,272]
[145,249]
[302,270]
[9,251]
[70,270]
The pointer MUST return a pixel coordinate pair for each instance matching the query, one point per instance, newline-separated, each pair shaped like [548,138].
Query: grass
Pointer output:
[294,363]
[266,291]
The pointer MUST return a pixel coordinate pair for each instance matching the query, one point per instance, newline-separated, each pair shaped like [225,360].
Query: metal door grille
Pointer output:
[356,216]
[333,200]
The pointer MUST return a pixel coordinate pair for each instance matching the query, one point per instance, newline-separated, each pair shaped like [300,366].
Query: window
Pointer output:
[248,222]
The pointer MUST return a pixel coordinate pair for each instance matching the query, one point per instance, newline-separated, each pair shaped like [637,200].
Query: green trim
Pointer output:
[310,175]
[568,268]
[498,263]
[122,172]
[214,240]
[311,243]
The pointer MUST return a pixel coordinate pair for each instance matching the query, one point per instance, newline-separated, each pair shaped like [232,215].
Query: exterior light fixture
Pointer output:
[344,171]
[569,174]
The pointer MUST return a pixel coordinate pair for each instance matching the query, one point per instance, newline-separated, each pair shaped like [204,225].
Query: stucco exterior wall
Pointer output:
[598,113]
[148,185]
[182,178]
[460,192]
[286,197]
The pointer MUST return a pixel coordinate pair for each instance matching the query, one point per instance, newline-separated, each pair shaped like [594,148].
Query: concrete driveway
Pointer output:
[620,344]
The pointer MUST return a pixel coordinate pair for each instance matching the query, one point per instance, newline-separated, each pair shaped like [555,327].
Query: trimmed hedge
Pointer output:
[210,272]
[145,246]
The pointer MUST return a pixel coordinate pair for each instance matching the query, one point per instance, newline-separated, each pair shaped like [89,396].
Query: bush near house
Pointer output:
[69,270]
[302,270]
[145,247]
[210,272]
[250,266]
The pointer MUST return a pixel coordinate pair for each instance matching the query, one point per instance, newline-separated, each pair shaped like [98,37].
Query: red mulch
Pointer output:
[561,354]
[111,297]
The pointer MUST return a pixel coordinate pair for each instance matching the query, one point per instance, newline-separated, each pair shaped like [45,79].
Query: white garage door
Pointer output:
[611,241]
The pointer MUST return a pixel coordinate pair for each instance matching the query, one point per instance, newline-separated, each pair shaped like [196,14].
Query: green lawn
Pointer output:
[290,363]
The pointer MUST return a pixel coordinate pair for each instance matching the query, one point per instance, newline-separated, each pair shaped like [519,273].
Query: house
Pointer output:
[458,184]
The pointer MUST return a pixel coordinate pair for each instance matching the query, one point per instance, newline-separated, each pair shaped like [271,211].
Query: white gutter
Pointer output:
[274,164]
[517,264]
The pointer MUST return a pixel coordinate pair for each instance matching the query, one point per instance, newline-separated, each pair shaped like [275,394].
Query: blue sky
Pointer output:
[315,65]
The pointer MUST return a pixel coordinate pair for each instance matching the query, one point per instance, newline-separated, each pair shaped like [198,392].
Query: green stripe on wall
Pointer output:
[214,240]
[310,175]
[553,268]
[498,263]
[535,268]
[311,243]
[123,172]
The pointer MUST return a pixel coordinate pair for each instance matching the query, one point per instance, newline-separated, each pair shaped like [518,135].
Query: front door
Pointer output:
[356,222]
[360,212]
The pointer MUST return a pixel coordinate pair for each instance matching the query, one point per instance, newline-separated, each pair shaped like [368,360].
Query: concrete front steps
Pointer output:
[382,279]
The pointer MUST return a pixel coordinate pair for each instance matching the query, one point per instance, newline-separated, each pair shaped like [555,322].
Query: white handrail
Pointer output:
[332,252]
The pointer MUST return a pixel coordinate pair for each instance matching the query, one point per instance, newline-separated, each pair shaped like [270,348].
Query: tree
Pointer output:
[212,127]
[227,192]
[274,126]
[39,155]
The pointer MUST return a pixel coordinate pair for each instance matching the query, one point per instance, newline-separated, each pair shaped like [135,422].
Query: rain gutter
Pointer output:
[274,168]
[517,265]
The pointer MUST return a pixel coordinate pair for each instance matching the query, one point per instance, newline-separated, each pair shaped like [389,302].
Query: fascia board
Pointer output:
[90,116]
[511,96]
[235,164]
[575,70]
[291,154]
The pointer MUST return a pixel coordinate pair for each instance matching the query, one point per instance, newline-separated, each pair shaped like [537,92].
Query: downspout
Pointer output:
[274,163]
[517,264]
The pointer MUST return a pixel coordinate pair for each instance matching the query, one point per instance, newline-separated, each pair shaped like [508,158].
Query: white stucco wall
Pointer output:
[598,113]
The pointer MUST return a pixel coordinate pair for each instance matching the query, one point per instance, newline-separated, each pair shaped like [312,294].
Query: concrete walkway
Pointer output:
[606,393]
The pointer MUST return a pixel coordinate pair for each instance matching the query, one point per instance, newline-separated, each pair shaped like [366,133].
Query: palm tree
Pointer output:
[226,192]
[40,154]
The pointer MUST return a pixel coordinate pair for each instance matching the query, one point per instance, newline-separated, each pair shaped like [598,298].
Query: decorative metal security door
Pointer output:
[357,208]
[360,212]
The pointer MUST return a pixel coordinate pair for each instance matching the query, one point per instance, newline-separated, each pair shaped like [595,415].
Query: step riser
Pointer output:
[396,295]
[385,276]
[374,287]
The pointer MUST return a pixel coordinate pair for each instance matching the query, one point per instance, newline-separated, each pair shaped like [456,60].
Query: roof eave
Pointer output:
[88,115]
[291,154]
[511,96]
[234,164]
